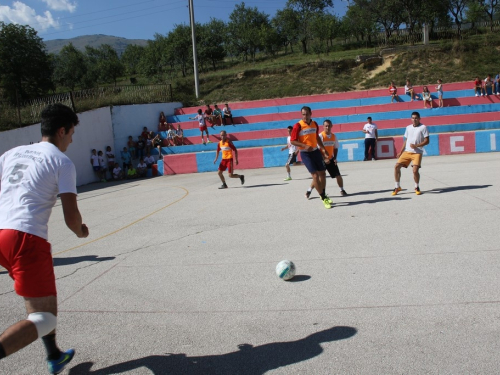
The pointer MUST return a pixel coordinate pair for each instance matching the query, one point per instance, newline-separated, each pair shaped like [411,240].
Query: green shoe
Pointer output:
[327,203]
[287,179]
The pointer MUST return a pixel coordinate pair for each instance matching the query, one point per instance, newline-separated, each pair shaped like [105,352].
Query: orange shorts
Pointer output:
[407,157]
[28,260]
[226,164]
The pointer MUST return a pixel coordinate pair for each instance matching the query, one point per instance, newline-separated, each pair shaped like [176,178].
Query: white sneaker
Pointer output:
[482,94]
[477,95]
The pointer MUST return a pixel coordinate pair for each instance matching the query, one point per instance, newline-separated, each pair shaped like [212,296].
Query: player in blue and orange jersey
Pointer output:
[305,135]
[227,148]
[332,147]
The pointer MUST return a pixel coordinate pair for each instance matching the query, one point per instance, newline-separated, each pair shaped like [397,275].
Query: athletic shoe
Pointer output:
[417,191]
[287,179]
[482,94]
[58,365]
[477,95]
[328,199]
[343,193]
[209,141]
[223,186]
[242,179]
[308,194]
[396,190]
[327,203]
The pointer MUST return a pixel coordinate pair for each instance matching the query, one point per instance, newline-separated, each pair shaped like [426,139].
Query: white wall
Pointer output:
[97,129]
[130,119]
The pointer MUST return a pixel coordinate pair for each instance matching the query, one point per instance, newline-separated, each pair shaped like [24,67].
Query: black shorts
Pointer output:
[292,159]
[313,161]
[333,169]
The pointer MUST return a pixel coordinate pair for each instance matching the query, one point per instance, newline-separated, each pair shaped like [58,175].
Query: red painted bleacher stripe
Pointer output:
[177,164]
[323,97]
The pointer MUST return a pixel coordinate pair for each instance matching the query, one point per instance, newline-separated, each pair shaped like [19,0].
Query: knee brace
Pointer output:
[44,322]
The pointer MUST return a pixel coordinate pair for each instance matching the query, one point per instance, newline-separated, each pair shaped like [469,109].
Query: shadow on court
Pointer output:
[247,360]
[74,260]
[263,185]
[299,278]
[379,200]
[456,188]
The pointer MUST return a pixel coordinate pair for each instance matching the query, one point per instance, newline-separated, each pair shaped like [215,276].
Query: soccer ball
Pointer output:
[285,269]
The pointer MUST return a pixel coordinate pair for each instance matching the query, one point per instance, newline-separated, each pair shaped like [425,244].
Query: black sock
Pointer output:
[53,352]
[2,352]
[323,196]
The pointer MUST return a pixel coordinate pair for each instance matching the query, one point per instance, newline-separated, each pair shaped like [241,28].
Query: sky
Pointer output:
[131,19]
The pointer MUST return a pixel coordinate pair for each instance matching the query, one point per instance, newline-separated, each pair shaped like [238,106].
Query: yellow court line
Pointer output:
[128,225]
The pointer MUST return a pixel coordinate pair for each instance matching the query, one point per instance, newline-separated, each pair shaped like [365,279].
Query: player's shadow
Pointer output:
[456,188]
[263,185]
[74,260]
[369,192]
[247,360]
[369,201]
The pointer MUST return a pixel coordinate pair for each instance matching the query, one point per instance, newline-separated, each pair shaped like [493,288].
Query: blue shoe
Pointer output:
[58,365]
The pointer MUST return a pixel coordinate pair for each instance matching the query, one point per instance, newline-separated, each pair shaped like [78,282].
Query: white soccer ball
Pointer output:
[285,269]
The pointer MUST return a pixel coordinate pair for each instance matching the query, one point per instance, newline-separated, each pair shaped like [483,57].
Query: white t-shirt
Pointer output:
[226,110]
[201,119]
[142,165]
[116,171]
[291,148]
[149,160]
[31,177]
[111,157]
[95,160]
[102,163]
[370,128]
[407,88]
[415,135]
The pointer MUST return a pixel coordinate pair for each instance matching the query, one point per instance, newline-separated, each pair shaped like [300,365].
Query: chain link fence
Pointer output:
[28,112]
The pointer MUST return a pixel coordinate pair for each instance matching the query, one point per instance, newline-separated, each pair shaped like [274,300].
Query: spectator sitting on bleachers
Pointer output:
[131,173]
[497,84]
[157,142]
[393,90]
[410,91]
[142,168]
[162,122]
[488,85]
[478,87]
[180,135]
[171,136]
[426,96]
[149,159]
[117,172]
[141,145]
[217,115]
[226,111]
[209,115]
[131,147]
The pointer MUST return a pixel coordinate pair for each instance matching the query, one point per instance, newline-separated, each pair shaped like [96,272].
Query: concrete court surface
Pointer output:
[177,277]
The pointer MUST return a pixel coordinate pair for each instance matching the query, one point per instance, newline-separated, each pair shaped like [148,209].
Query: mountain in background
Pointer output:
[119,44]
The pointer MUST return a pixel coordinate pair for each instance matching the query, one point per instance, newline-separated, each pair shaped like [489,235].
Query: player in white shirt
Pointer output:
[371,137]
[292,155]
[31,177]
[416,137]
[201,117]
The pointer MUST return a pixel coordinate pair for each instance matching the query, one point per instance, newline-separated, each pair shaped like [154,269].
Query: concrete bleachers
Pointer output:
[260,137]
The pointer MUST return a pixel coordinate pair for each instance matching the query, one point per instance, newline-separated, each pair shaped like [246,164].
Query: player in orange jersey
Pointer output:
[227,148]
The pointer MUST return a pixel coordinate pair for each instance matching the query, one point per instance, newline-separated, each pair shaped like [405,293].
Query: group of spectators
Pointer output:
[214,117]
[483,87]
[175,137]
[425,96]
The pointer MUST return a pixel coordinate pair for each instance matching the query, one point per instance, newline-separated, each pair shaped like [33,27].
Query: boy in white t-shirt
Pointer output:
[292,155]
[117,172]
[416,137]
[371,137]
[31,178]
[201,117]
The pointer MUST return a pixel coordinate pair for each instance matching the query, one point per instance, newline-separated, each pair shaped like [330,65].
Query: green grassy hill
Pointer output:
[119,44]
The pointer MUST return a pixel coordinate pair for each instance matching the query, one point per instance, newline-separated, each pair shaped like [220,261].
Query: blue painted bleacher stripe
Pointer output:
[488,141]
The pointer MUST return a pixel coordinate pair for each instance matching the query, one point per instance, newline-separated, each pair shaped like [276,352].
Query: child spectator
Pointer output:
[478,87]
[171,136]
[162,122]
[149,142]
[488,85]
[142,168]
[111,159]
[126,158]
[131,173]
[157,142]
[94,161]
[141,145]
[117,172]
[217,115]
[180,135]
[426,96]
[409,90]
[393,90]
[149,160]
[201,123]
[439,89]
[145,133]
[497,84]
[131,147]
[102,165]
[226,111]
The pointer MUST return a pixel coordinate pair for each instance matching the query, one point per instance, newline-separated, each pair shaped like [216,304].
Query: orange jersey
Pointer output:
[329,142]
[305,133]
[226,148]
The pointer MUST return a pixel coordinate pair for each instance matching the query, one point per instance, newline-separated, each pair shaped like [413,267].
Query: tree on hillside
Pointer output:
[210,41]
[25,67]
[131,58]
[285,23]
[156,61]
[69,67]
[243,30]
[386,13]
[180,47]
[457,8]
[490,7]
[304,11]
[109,65]
[362,23]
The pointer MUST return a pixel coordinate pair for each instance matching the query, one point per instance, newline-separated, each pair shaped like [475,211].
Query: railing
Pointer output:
[28,112]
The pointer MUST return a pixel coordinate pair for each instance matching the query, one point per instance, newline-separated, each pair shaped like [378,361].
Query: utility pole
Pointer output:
[195,56]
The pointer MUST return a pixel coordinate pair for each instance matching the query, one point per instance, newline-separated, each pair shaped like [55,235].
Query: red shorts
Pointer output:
[226,164]
[203,128]
[28,260]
